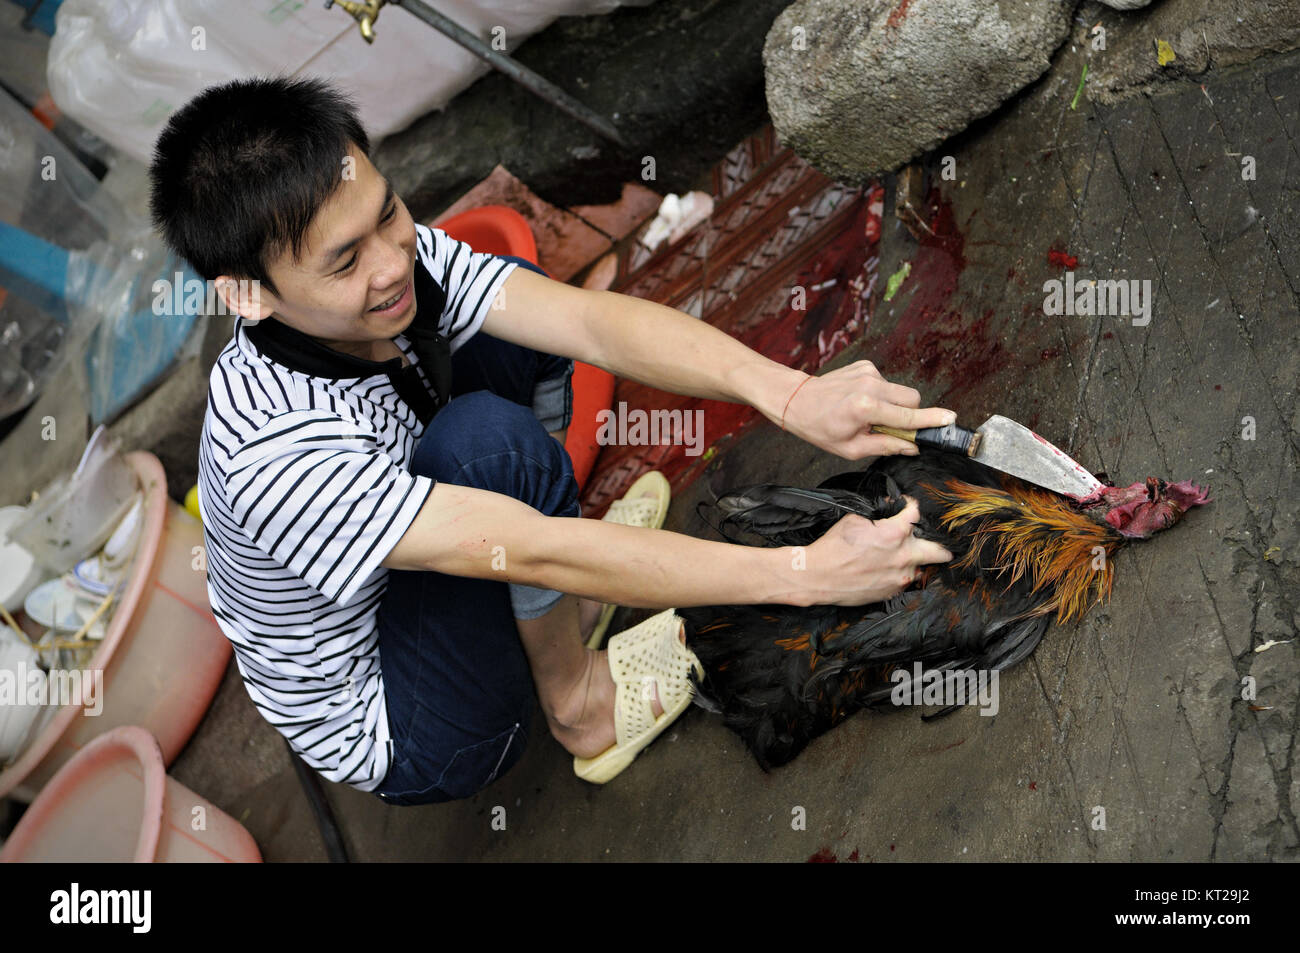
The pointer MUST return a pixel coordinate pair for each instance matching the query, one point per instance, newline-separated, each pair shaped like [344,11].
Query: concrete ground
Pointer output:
[1124,737]
[1135,711]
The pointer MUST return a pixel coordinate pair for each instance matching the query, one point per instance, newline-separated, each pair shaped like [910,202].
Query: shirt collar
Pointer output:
[299,352]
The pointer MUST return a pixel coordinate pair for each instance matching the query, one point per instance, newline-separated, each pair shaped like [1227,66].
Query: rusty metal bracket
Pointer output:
[909,200]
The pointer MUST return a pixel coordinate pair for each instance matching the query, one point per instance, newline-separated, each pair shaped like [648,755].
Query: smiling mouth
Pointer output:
[385,305]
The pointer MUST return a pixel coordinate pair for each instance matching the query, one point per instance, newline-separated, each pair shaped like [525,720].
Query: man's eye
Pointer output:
[353,260]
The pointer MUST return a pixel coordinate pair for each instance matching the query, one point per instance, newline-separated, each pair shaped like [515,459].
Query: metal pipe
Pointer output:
[367,12]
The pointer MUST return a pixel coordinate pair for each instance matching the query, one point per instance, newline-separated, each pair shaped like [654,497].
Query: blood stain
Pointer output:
[1059,258]
[932,338]
[823,856]
[898,14]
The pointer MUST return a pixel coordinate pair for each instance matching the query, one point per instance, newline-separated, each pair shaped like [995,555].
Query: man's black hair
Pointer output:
[240,171]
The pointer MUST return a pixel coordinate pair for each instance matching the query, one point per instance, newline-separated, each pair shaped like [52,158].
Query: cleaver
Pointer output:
[1005,445]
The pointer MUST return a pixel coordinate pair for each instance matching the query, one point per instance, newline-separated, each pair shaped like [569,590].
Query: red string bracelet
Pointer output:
[787,403]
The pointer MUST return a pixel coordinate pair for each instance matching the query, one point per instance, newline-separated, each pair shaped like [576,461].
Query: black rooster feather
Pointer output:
[782,675]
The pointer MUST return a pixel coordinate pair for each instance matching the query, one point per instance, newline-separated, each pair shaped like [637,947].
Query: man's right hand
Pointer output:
[860,560]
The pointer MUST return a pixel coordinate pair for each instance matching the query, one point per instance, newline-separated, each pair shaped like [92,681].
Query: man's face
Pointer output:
[359,252]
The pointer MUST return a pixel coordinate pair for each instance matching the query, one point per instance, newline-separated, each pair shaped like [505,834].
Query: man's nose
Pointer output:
[395,264]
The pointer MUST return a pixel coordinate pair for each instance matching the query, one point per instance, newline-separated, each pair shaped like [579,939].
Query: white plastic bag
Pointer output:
[48,194]
[121,67]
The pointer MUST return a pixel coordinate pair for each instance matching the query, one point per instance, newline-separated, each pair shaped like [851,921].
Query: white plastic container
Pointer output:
[19,572]
[73,517]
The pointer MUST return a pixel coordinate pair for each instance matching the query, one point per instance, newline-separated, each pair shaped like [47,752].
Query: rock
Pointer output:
[1125,4]
[859,88]
[1200,33]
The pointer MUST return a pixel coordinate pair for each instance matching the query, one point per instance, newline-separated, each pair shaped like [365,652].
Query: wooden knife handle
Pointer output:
[953,438]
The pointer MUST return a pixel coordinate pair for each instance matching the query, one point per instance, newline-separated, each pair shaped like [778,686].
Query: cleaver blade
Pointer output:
[1012,448]
[1005,445]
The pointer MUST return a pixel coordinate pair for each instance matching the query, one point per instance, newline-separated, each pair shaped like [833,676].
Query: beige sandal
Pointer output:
[646,656]
[634,510]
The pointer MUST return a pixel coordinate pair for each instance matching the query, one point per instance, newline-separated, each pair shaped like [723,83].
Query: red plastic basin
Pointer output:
[499,230]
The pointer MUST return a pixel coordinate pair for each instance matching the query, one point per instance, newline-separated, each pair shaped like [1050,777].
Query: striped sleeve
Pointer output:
[320,497]
[471,279]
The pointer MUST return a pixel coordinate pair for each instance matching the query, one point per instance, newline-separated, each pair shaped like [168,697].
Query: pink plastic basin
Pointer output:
[113,802]
[163,656]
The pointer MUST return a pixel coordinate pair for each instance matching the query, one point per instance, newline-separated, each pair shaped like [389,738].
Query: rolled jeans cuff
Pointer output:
[529,602]
[553,401]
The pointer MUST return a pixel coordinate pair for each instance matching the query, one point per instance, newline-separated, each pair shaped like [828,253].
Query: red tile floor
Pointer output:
[778,225]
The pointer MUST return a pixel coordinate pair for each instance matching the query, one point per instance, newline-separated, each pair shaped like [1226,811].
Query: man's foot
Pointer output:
[585,726]
[589,610]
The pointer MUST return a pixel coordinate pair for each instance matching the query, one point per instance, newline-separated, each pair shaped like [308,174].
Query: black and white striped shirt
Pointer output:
[304,490]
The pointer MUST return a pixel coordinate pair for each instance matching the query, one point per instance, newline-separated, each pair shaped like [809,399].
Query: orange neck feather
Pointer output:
[1029,530]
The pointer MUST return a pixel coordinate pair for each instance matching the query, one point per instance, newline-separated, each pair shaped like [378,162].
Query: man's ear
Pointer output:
[245,297]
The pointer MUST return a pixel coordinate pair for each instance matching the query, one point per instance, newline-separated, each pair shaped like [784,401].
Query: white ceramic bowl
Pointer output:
[74,517]
[91,576]
[55,605]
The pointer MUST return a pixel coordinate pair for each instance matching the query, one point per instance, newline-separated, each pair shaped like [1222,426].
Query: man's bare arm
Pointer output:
[462,531]
[668,349]
[636,339]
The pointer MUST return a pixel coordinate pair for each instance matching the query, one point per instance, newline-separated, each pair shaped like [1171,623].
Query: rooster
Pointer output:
[782,675]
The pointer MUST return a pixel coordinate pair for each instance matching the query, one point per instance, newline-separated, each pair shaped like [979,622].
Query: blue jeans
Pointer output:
[459,691]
